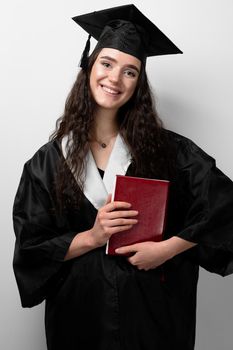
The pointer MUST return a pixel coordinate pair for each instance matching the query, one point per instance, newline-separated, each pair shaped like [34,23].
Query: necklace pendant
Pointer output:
[103,145]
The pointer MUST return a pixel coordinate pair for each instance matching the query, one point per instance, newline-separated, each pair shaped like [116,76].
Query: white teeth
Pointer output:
[110,91]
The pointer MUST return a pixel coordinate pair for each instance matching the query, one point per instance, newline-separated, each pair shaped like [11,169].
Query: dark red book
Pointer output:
[149,197]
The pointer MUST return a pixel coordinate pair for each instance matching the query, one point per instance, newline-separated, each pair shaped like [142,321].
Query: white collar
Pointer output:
[95,188]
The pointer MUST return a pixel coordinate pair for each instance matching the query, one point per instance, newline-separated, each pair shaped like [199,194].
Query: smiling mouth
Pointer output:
[110,91]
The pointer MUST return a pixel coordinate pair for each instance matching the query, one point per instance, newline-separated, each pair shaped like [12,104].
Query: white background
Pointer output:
[40,50]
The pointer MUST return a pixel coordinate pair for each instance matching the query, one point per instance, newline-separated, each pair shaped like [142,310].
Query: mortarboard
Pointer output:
[125,28]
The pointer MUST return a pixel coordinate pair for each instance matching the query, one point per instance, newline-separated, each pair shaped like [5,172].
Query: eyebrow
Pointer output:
[127,65]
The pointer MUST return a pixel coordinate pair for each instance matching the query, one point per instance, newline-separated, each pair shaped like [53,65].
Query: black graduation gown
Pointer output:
[100,302]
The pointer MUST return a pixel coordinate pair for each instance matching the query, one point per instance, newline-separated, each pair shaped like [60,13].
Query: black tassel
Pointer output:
[85,55]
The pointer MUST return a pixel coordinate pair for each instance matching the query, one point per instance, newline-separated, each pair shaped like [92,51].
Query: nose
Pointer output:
[114,75]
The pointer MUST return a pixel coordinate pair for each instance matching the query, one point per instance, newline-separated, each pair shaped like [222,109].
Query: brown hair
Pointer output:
[139,125]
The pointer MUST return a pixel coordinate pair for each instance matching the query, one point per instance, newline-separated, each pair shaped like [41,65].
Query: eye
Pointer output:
[106,64]
[130,73]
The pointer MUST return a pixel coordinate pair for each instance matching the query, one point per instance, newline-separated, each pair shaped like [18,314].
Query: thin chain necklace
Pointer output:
[102,143]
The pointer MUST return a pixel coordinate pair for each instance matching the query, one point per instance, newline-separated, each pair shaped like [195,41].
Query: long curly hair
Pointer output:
[139,125]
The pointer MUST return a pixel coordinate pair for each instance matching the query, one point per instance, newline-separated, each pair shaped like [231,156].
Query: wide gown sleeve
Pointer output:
[42,236]
[208,195]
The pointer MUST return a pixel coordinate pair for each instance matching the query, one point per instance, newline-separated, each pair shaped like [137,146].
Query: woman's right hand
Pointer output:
[113,217]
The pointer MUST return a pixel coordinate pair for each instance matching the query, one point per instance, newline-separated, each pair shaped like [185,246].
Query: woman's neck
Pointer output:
[105,124]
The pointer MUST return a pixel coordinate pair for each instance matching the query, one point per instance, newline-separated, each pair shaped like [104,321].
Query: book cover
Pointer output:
[149,197]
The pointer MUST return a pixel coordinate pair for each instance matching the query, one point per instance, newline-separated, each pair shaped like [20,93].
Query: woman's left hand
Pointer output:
[147,255]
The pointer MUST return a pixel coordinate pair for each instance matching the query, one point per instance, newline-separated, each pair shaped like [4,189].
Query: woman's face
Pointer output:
[113,78]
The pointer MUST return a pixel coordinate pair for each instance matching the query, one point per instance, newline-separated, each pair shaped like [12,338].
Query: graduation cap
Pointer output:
[125,28]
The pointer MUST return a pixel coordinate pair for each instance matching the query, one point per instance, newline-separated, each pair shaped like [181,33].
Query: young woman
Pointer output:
[64,216]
